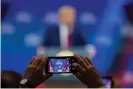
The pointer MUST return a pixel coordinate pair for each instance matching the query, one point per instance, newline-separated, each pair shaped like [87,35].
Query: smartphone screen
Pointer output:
[59,65]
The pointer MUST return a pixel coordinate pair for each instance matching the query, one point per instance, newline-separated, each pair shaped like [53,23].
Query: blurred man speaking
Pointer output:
[66,33]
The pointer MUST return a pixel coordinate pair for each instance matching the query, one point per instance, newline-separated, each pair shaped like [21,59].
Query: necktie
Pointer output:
[69,40]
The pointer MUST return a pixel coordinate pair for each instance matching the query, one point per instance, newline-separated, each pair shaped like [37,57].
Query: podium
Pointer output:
[53,51]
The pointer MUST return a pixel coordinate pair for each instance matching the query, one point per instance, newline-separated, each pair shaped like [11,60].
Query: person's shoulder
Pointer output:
[52,27]
[78,27]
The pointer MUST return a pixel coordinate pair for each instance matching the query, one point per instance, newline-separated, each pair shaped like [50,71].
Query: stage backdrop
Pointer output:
[24,26]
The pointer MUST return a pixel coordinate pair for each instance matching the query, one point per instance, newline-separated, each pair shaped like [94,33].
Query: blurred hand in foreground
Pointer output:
[34,74]
[86,72]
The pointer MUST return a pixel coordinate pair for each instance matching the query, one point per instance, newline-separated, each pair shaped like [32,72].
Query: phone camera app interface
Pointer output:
[59,65]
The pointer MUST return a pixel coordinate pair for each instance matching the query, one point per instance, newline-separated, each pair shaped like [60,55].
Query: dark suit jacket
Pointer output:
[52,37]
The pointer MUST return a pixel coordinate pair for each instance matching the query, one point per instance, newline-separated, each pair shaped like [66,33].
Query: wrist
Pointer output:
[96,84]
[24,83]
[103,86]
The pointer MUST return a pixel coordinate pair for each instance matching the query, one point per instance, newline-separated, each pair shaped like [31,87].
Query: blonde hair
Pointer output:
[63,8]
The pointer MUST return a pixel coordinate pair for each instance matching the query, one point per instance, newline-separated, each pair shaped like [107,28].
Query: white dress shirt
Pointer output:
[63,34]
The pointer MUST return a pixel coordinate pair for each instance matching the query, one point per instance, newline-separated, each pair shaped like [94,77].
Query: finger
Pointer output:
[87,59]
[93,68]
[31,62]
[79,76]
[30,66]
[44,58]
[41,66]
[80,60]
[78,68]
[86,62]
[36,61]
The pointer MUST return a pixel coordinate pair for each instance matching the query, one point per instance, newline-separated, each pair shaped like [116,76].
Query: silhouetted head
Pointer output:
[10,79]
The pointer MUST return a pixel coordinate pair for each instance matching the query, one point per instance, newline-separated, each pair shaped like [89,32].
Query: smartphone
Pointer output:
[57,65]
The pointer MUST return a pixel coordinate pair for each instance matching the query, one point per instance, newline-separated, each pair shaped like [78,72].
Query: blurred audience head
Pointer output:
[67,15]
[10,79]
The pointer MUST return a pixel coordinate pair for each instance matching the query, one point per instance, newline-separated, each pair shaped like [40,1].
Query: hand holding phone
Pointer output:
[86,72]
[33,75]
